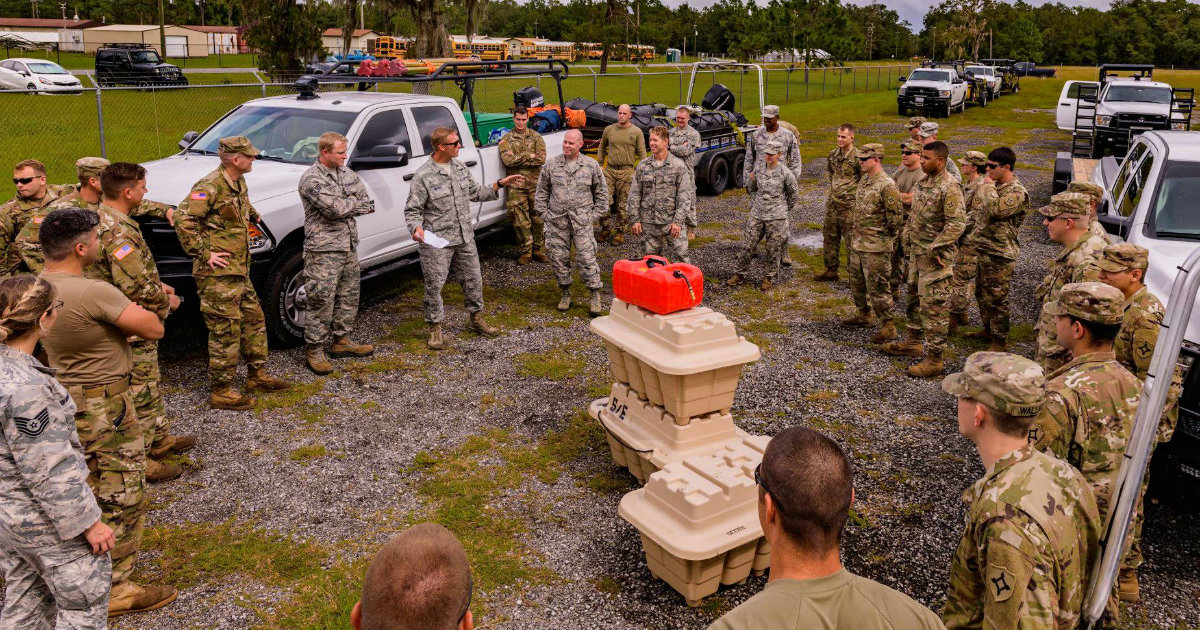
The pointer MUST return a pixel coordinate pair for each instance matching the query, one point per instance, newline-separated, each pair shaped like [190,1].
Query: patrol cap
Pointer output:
[1123,256]
[916,121]
[1068,204]
[911,145]
[974,158]
[873,150]
[90,166]
[928,129]
[774,147]
[1090,301]
[237,144]
[770,111]
[1087,188]
[1005,382]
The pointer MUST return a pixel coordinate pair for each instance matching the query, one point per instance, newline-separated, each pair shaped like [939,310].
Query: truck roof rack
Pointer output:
[1137,71]
[129,46]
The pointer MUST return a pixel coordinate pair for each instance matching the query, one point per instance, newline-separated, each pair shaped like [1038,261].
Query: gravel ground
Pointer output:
[911,466]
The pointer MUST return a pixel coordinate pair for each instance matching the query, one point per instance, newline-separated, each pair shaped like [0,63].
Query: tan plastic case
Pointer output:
[688,362]
[699,520]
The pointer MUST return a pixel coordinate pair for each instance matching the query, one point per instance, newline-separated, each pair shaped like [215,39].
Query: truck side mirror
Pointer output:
[903,79]
[381,156]
[188,139]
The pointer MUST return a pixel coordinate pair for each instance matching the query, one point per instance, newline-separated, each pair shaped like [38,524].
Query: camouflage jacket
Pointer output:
[660,193]
[1002,209]
[523,154]
[1134,347]
[574,189]
[13,216]
[45,501]
[331,199]
[1023,561]
[31,248]
[684,142]
[1074,263]
[937,218]
[878,214]
[215,217]
[970,192]
[1087,419]
[756,147]
[439,200]
[844,170]
[775,193]
[124,261]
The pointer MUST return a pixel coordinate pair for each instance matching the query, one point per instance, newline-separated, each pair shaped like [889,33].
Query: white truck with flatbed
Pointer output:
[1105,115]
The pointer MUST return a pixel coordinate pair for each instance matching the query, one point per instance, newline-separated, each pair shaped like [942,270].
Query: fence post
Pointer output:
[264,83]
[100,120]
[824,75]
[741,85]
[681,86]
[594,82]
[787,91]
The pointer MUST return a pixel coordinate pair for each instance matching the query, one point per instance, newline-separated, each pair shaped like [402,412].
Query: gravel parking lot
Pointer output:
[487,436]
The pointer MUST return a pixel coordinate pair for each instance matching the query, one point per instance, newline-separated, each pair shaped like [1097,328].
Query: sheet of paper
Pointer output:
[433,240]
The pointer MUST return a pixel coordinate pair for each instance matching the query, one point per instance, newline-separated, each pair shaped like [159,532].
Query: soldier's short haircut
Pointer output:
[1099,333]
[683,109]
[661,132]
[328,140]
[440,135]
[1010,425]
[118,176]
[62,229]
[846,127]
[23,300]
[811,481]
[419,579]
[1003,156]
[938,148]
[520,109]
[33,164]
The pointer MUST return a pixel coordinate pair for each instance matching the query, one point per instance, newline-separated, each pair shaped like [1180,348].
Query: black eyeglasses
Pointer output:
[25,180]
[862,159]
[759,480]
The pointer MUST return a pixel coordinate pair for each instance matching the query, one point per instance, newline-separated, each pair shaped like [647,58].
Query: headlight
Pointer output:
[43,81]
[944,93]
[258,239]
[902,90]
[1178,126]
[1103,121]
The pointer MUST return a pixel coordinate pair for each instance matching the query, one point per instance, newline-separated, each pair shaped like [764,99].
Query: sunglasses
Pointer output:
[862,159]
[759,480]
[910,152]
[25,180]
[457,143]
[991,166]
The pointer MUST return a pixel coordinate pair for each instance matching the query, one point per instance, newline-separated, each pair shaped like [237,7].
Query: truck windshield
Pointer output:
[281,133]
[1174,207]
[1139,94]
[929,75]
[981,71]
[146,56]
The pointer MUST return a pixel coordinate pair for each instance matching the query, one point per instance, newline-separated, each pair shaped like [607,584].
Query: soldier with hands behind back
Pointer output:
[773,194]
[685,141]
[523,152]
[844,171]
[659,199]
[876,220]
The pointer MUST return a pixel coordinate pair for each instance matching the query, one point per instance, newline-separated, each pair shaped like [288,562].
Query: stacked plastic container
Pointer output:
[668,422]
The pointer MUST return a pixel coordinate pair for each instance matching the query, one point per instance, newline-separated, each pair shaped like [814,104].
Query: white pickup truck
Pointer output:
[388,135]
[990,76]
[937,90]
[1106,115]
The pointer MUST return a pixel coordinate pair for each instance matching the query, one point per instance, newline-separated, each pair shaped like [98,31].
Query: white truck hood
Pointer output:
[937,85]
[1109,108]
[170,179]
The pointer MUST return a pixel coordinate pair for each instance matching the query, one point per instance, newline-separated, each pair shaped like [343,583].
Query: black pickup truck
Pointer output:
[1030,69]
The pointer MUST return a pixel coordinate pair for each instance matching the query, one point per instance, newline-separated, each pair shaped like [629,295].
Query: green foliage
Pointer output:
[285,32]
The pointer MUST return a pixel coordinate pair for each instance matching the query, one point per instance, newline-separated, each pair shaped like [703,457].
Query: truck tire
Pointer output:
[902,110]
[983,99]
[946,111]
[284,301]
[718,175]
[739,166]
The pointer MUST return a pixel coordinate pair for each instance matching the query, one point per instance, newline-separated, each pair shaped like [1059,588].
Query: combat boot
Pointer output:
[172,444]
[1127,585]
[158,471]
[828,275]
[983,333]
[257,380]
[540,256]
[786,259]
[595,308]
[482,327]
[912,346]
[128,597]
[435,337]
[525,259]
[314,358]
[342,348]
[224,396]
[929,367]
[955,319]
[766,285]
[603,235]
[618,239]
[886,333]
[861,320]
[564,302]
[998,344]
[734,280]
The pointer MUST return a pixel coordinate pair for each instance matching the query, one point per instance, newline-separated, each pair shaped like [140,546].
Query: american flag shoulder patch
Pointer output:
[33,427]
[199,196]
[38,220]
[123,251]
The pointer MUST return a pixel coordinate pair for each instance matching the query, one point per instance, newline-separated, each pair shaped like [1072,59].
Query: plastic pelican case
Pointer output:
[699,520]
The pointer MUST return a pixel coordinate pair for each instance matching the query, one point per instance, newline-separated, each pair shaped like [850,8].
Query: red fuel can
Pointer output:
[657,285]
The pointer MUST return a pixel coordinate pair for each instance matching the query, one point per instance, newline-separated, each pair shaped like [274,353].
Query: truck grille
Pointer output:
[921,91]
[1148,121]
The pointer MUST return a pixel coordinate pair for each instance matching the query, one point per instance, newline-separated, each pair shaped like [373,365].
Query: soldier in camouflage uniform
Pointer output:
[213,225]
[907,176]
[929,133]
[1066,220]
[53,544]
[914,127]
[32,194]
[878,216]
[966,264]
[843,168]
[659,198]
[439,201]
[1032,525]
[1002,208]
[571,193]
[523,152]
[622,146]
[1095,193]
[756,144]
[773,194]
[930,238]
[332,196]
[684,142]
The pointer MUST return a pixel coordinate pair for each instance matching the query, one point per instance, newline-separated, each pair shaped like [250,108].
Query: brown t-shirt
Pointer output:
[85,344]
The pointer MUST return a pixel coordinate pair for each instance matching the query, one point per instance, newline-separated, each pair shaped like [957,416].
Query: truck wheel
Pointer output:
[983,100]
[948,109]
[739,166]
[902,110]
[284,300]
[718,175]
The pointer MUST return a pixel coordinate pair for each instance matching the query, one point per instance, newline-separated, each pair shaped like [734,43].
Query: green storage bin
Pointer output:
[485,124]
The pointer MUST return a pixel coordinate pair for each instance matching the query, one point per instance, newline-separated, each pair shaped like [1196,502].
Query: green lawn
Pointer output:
[83,61]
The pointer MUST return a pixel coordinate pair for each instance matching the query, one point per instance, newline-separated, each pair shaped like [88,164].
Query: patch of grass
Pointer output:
[858,519]
[312,415]
[557,364]
[1022,332]
[607,585]
[821,396]
[608,482]
[767,326]
[299,393]
[369,405]
[410,336]
[836,366]
[379,365]
[308,452]
[716,606]
[600,390]
[701,241]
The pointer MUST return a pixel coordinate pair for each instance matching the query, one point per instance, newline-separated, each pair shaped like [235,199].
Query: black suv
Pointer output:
[135,64]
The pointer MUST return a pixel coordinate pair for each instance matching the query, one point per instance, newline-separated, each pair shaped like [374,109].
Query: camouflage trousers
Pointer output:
[835,230]
[870,283]
[992,287]
[928,306]
[560,235]
[147,396]
[773,232]
[784,252]
[657,241]
[116,459]
[331,282]
[966,267]
[899,275]
[64,586]
[1049,355]
[527,224]
[436,265]
[619,180]
[690,221]
[237,329]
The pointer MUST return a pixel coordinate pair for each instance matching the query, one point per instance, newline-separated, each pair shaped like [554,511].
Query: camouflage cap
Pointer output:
[1090,301]
[1088,188]
[774,147]
[916,121]
[1005,382]
[1123,256]
[770,111]
[873,150]
[90,166]
[1067,204]
[928,129]
[911,145]
[974,158]
[237,144]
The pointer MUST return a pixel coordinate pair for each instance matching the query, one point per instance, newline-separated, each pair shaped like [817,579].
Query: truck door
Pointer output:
[1068,103]
[385,230]
[430,117]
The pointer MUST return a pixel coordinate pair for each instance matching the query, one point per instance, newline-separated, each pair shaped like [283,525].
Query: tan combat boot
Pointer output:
[525,259]
[886,333]
[912,346]
[734,280]
[482,327]
[998,344]
[618,239]
[861,320]
[929,367]
[224,396]
[955,320]
[314,358]
[984,333]
[342,348]
[1127,585]
[595,308]
[786,259]
[603,235]
[172,444]
[257,380]
[435,337]
[540,256]
[828,275]
[765,285]
[128,597]
[158,471]
[564,303]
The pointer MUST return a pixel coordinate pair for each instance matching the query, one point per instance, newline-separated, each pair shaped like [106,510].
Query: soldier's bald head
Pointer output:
[419,579]
[573,135]
[624,109]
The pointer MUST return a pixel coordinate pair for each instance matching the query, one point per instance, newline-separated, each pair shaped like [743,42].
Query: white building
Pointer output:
[67,35]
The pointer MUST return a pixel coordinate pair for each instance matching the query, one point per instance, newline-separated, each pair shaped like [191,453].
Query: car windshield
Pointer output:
[46,67]
[929,75]
[282,133]
[1139,94]
[1174,207]
[146,56]
[980,71]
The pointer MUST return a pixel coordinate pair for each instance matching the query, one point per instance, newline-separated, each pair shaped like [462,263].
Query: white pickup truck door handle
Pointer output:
[408,178]
[471,163]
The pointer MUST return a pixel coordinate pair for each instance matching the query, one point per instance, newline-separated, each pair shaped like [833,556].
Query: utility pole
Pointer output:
[362,18]
[162,28]
[990,55]
[33,6]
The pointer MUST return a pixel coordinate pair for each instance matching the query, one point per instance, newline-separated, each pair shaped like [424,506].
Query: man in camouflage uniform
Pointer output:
[773,194]
[1002,206]
[439,201]
[32,194]
[332,196]
[966,264]
[906,177]
[756,144]
[1095,193]
[523,152]
[1032,526]
[659,198]
[213,225]
[571,193]
[929,133]
[842,166]
[914,127]
[877,217]
[1066,220]
[684,142]
[622,146]
[930,238]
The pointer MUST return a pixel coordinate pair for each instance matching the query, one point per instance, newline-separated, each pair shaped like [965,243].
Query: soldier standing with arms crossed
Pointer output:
[844,171]
[878,216]
[966,264]
[659,199]
[571,193]
[332,196]
[523,152]
[906,178]
[756,145]
[773,193]
[213,224]
[622,146]
[1002,209]
[29,176]
[684,142]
